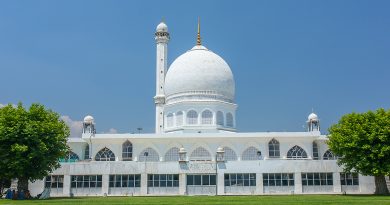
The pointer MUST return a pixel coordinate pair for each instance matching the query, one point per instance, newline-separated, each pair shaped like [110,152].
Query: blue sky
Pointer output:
[288,57]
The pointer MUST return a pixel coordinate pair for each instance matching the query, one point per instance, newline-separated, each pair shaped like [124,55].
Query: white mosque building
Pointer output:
[196,149]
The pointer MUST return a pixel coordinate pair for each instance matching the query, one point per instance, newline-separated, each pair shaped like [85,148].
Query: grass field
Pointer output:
[200,200]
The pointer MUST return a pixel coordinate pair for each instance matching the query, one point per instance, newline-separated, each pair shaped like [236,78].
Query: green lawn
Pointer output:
[200,200]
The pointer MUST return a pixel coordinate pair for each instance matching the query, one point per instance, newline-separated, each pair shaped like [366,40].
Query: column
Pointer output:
[144,184]
[182,184]
[220,183]
[336,182]
[66,188]
[105,184]
[259,184]
[298,183]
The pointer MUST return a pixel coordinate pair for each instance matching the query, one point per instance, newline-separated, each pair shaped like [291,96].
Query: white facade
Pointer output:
[196,149]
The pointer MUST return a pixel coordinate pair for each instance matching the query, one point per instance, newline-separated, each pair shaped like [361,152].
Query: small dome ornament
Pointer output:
[162,35]
[312,117]
[88,120]
[162,27]
[313,123]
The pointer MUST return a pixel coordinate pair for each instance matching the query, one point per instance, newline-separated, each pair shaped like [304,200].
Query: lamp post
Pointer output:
[146,154]
[182,164]
[92,134]
[258,155]
[219,157]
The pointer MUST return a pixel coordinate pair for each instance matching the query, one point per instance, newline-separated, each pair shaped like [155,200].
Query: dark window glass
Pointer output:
[190,179]
[212,180]
[205,180]
[198,180]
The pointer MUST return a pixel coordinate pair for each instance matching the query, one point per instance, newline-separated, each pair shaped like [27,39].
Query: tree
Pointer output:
[31,142]
[362,141]
[4,183]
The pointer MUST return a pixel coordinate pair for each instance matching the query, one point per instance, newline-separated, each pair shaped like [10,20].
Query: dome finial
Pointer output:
[198,41]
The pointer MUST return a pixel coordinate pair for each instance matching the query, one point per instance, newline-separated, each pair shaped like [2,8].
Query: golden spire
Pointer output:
[198,41]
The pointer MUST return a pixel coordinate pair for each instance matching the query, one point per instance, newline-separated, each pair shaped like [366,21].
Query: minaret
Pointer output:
[162,38]
[313,123]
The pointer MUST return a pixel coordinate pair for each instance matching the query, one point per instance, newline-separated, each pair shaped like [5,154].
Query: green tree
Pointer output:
[4,183]
[31,142]
[362,141]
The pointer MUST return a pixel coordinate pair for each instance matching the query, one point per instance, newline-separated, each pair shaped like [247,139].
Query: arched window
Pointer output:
[179,118]
[274,149]
[200,154]
[229,120]
[230,155]
[149,155]
[220,120]
[71,157]
[172,155]
[251,153]
[170,120]
[328,155]
[207,117]
[127,151]
[192,117]
[296,152]
[86,152]
[105,154]
[315,151]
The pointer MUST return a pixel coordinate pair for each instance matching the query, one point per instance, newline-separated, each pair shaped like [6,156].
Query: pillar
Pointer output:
[66,187]
[259,184]
[336,182]
[144,184]
[182,184]
[298,183]
[220,184]
[105,184]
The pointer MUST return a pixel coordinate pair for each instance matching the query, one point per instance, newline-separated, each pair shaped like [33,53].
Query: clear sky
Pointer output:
[288,57]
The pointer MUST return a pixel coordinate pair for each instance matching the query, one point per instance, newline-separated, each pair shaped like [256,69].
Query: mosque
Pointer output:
[196,149]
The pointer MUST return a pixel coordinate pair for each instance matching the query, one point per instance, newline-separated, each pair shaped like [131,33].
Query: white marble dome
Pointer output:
[200,70]
[88,119]
[312,117]
[162,27]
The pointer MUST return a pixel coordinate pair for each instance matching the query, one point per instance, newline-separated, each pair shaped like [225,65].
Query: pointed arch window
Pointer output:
[230,154]
[229,120]
[192,117]
[274,148]
[315,151]
[127,151]
[172,155]
[207,117]
[86,152]
[71,157]
[105,154]
[251,153]
[149,155]
[179,118]
[200,154]
[328,155]
[220,120]
[296,152]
